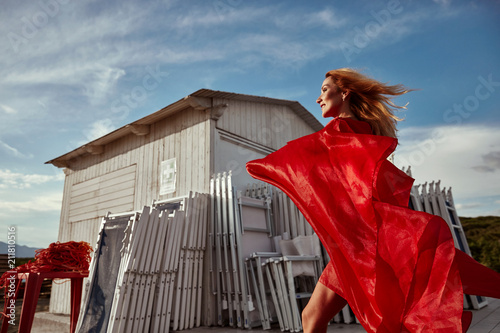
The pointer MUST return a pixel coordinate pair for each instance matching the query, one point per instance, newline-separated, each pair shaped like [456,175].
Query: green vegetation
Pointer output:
[22,261]
[483,236]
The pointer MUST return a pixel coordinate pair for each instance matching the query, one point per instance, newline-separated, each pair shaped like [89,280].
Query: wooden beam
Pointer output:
[139,129]
[205,104]
[60,164]
[94,149]
[217,111]
[198,103]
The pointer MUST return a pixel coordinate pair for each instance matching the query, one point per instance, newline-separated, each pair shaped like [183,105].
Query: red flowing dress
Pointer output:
[397,268]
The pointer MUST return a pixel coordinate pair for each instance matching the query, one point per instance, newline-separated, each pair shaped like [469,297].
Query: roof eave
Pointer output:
[199,100]
[138,127]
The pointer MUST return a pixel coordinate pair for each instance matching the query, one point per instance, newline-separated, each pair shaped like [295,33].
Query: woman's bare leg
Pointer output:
[323,305]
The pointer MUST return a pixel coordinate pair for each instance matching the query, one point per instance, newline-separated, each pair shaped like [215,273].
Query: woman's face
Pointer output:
[330,99]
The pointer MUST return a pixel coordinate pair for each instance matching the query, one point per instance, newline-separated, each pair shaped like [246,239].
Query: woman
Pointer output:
[370,102]
[398,269]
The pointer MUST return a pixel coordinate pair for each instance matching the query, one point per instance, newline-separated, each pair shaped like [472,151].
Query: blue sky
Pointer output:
[72,71]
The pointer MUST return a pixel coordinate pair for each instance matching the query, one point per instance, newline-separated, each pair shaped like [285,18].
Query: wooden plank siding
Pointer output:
[267,124]
[111,192]
[97,184]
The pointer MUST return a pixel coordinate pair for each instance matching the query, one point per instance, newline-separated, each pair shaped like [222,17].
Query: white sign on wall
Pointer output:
[167,177]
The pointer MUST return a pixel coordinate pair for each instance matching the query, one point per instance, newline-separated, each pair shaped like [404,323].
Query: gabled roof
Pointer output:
[197,100]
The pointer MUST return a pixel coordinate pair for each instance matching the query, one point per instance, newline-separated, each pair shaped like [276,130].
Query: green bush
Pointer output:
[483,236]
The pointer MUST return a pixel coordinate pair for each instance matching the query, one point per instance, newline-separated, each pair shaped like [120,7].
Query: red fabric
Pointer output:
[477,279]
[396,267]
[58,257]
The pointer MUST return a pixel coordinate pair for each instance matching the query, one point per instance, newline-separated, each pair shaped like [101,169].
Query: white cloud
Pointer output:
[47,202]
[444,3]
[276,49]
[491,162]
[82,22]
[13,151]
[95,79]
[224,15]
[9,179]
[98,129]
[451,154]
[386,27]
[469,205]
[292,94]
[7,109]
[92,54]
[35,214]
[326,18]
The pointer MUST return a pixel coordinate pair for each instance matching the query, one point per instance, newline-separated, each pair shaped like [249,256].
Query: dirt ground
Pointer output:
[42,305]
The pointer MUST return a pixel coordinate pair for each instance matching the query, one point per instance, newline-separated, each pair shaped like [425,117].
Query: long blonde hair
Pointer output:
[370,100]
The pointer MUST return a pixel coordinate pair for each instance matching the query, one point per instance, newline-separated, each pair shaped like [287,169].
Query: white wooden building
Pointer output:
[167,154]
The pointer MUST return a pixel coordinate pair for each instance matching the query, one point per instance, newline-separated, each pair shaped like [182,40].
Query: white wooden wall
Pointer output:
[98,183]
[251,130]
[269,125]
[111,192]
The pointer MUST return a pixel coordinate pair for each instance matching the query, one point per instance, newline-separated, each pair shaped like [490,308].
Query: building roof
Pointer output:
[198,100]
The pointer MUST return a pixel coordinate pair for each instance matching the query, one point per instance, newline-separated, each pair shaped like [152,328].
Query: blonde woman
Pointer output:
[397,268]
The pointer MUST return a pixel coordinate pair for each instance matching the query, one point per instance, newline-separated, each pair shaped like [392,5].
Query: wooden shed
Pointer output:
[167,154]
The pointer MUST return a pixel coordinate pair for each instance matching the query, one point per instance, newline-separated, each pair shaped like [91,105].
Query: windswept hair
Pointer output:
[370,100]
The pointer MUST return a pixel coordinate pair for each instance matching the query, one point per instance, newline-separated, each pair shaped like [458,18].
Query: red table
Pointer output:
[32,291]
